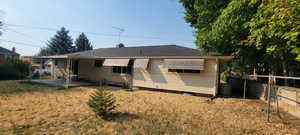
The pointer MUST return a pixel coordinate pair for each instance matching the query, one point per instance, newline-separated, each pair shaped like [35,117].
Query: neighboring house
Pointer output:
[169,67]
[6,54]
[48,66]
[39,64]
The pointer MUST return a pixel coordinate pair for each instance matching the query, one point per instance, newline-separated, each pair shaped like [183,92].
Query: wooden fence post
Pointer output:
[269,98]
[245,85]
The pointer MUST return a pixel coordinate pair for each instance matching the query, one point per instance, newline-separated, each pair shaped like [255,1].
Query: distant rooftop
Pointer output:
[6,51]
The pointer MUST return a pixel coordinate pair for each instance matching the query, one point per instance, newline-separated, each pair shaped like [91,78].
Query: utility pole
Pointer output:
[121,30]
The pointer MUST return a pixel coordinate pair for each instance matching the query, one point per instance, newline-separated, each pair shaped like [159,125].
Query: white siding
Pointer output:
[157,76]
[88,71]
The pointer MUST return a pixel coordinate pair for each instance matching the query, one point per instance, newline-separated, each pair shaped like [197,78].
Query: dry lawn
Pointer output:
[37,109]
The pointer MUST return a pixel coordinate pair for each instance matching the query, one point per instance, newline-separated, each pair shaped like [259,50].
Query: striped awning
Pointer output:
[141,63]
[116,62]
[192,64]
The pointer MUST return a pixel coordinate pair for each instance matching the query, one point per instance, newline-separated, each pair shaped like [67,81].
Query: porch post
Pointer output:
[68,73]
[52,68]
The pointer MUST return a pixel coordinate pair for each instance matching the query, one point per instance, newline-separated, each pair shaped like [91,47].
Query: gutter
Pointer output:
[226,58]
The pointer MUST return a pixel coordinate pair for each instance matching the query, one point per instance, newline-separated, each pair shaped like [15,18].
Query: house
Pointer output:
[48,66]
[169,67]
[38,63]
[6,54]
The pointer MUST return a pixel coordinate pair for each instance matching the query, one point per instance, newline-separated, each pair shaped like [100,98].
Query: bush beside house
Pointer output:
[14,69]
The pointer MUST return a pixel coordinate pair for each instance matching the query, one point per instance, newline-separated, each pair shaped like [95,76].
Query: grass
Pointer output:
[13,87]
[39,109]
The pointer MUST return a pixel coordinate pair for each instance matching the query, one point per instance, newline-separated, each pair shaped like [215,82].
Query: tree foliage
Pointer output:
[258,33]
[61,43]
[275,30]
[297,51]
[45,51]
[1,25]
[201,14]
[82,43]
[14,69]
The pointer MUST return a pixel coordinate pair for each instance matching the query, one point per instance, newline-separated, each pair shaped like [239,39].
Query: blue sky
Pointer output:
[146,22]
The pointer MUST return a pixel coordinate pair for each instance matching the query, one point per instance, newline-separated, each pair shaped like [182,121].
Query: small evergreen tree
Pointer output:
[102,103]
[82,43]
[61,43]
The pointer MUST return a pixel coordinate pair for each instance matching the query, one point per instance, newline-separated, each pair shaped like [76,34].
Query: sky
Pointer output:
[29,24]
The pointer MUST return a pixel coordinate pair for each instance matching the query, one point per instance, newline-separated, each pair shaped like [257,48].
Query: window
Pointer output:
[184,71]
[55,62]
[121,70]
[98,63]
[117,70]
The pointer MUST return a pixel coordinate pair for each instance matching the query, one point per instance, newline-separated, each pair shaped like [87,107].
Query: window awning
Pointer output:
[141,63]
[116,62]
[192,64]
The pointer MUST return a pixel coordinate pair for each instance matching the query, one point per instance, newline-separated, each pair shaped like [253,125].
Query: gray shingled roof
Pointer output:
[142,51]
[6,51]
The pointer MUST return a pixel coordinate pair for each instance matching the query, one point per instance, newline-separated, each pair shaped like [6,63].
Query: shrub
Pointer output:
[35,75]
[46,75]
[14,69]
[102,103]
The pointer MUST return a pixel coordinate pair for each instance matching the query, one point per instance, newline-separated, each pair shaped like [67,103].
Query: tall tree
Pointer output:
[1,25]
[82,43]
[260,33]
[220,27]
[275,29]
[45,51]
[297,51]
[61,43]
[201,14]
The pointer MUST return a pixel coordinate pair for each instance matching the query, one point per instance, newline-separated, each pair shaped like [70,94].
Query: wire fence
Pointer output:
[280,97]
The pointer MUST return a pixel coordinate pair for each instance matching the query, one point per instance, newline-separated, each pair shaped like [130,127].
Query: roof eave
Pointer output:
[223,58]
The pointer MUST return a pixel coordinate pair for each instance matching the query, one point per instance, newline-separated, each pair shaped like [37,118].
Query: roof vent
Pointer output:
[120,45]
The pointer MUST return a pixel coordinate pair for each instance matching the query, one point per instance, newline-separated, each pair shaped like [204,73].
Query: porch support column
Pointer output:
[68,73]
[52,68]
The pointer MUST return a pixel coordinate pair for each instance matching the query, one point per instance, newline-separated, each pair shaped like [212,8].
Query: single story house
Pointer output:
[6,54]
[169,67]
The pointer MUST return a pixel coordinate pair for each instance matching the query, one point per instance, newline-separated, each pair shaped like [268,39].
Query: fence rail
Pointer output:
[270,85]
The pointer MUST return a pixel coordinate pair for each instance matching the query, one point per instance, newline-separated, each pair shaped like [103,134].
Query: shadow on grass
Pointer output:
[26,82]
[120,117]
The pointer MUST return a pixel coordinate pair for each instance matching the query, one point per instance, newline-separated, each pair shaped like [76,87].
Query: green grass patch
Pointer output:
[13,86]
